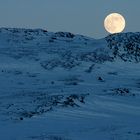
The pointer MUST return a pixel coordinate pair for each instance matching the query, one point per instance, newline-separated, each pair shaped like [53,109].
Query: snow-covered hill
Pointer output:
[61,86]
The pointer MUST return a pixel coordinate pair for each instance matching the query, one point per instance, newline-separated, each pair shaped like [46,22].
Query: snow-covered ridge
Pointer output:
[125,46]
[36,36]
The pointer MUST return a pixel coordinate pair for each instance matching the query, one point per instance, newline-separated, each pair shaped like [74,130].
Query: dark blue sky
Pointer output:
[78,16]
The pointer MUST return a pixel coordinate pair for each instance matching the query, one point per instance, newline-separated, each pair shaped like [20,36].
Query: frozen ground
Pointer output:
[60,86]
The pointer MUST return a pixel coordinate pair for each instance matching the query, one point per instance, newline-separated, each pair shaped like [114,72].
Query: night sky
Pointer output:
[77,16]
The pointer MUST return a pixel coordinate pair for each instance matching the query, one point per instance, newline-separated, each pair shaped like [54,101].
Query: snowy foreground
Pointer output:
[60,86]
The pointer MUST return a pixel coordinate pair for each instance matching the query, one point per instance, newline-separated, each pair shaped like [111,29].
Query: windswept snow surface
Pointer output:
[60,86]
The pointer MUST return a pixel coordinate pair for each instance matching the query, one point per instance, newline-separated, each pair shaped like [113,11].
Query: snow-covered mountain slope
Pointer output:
[61,86]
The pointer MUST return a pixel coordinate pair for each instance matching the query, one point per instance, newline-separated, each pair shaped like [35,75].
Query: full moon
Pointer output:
[114,23]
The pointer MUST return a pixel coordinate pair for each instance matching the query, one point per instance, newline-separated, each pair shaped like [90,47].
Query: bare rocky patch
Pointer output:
[120,92]
[27,105]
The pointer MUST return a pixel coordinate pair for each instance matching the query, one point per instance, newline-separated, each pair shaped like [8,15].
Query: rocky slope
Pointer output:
[125,46]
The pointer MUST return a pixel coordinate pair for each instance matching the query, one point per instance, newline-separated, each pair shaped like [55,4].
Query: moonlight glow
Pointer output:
[114,23]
